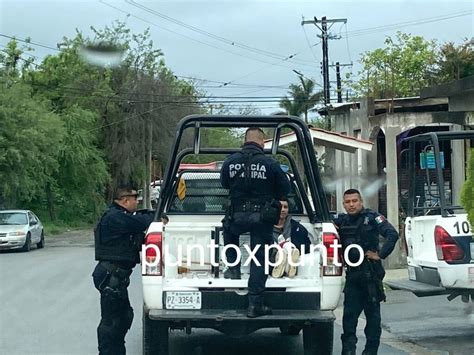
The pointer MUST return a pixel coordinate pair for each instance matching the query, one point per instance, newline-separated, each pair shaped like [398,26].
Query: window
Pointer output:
[13,218]
[204,194]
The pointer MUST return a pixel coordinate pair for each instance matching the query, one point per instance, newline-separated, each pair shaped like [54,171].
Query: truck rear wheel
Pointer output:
[290,330]
[155,336]
[318,338]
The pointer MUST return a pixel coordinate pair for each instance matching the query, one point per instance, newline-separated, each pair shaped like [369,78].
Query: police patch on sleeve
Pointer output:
[380,219]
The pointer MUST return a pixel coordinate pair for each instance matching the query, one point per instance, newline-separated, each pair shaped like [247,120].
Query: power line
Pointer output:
[347,44]
[29,42]
[208,34]
[370,30]
[309,44]
[194,39]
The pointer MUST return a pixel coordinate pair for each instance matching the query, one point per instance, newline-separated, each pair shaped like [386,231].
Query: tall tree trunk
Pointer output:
[50,202]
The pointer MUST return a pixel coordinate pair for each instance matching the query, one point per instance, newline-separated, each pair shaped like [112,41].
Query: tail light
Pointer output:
[153,245]
[446,247]
[330,269]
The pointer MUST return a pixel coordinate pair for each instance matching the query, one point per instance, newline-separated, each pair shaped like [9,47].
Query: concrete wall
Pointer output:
[462,102]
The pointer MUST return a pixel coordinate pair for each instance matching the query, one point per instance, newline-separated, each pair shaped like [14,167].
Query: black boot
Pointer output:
[232,273]
[257,308]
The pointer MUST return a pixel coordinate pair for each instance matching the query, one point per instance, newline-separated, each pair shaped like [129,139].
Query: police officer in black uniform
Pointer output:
[363,289]
[118,238]
[255,184]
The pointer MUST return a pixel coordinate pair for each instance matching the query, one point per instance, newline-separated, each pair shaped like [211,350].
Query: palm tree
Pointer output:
[301,99]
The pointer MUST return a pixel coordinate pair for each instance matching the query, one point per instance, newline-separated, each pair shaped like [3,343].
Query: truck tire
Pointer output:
[290,330]
[155,336]
[318,338]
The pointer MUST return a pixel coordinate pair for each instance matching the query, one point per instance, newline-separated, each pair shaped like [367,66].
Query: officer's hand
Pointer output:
[373,255]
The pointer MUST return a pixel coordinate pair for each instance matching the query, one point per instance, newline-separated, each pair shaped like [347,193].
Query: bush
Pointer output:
[467,196]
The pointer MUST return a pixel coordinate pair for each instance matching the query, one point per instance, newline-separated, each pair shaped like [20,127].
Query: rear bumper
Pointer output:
[236,322]
[224,315]
[418,288]
[457,276]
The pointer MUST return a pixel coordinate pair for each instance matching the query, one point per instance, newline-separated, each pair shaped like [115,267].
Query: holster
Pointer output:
[227,217]
[115,281]
[270,212]
[374,273]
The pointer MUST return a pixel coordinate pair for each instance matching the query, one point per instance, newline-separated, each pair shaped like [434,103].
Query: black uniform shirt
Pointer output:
[119,223]
[265,178]
[373,225]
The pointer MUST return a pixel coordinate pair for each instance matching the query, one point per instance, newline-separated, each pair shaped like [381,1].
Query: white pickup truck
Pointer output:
[184,288]
[438,236]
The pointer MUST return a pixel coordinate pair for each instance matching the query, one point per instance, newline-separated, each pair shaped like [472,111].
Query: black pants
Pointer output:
[260,234]
[355,301]
[116,313]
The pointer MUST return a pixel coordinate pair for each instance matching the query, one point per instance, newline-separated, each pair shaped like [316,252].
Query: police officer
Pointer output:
[118,238]
[363,289]
[255,184]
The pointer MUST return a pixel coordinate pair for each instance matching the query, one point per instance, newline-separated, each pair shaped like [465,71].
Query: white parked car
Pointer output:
[19,229]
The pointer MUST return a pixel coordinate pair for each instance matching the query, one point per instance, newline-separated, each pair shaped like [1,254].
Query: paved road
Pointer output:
[49,306]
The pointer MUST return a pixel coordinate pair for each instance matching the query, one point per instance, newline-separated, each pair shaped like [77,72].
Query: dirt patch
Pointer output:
[74,238]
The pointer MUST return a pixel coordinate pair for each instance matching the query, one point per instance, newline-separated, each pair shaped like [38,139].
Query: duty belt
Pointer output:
[247,207]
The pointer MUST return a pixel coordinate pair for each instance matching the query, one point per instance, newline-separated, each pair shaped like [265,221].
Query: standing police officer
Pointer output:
[364,288]
[118,238]
[255,184]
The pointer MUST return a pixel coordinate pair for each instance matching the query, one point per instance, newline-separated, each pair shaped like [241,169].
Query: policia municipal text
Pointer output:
[118,238]
[364,289]
[256,183]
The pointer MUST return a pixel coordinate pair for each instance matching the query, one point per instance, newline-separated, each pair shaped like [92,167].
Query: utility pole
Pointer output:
[325,37]
[338,78]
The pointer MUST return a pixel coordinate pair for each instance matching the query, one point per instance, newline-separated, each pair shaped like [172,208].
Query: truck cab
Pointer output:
[182,266]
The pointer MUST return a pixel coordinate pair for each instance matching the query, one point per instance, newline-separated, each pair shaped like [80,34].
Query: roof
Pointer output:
[328,139]
[14,211]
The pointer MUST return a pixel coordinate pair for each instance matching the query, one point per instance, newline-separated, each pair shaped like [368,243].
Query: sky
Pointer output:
[241,48]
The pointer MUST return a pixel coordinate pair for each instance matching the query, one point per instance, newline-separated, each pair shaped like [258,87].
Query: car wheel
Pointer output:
[41,242]
[27,246]
[290,330]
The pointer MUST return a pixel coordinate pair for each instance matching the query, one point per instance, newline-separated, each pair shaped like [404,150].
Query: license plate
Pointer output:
[183,300]
[471,274]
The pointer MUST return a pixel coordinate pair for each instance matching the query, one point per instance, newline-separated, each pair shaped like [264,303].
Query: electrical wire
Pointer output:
[209,34]
[30,42]
[376,29]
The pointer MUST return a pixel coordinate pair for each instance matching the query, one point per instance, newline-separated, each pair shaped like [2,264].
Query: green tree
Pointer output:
[467,196]
[400,69]
[30,135]
[455,62]
[301,98]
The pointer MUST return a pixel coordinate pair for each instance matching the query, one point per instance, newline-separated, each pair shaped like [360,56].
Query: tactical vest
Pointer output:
[119,248]
[359,233]
[248,186]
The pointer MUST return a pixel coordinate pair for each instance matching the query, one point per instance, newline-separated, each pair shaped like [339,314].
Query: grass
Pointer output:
[58,227]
